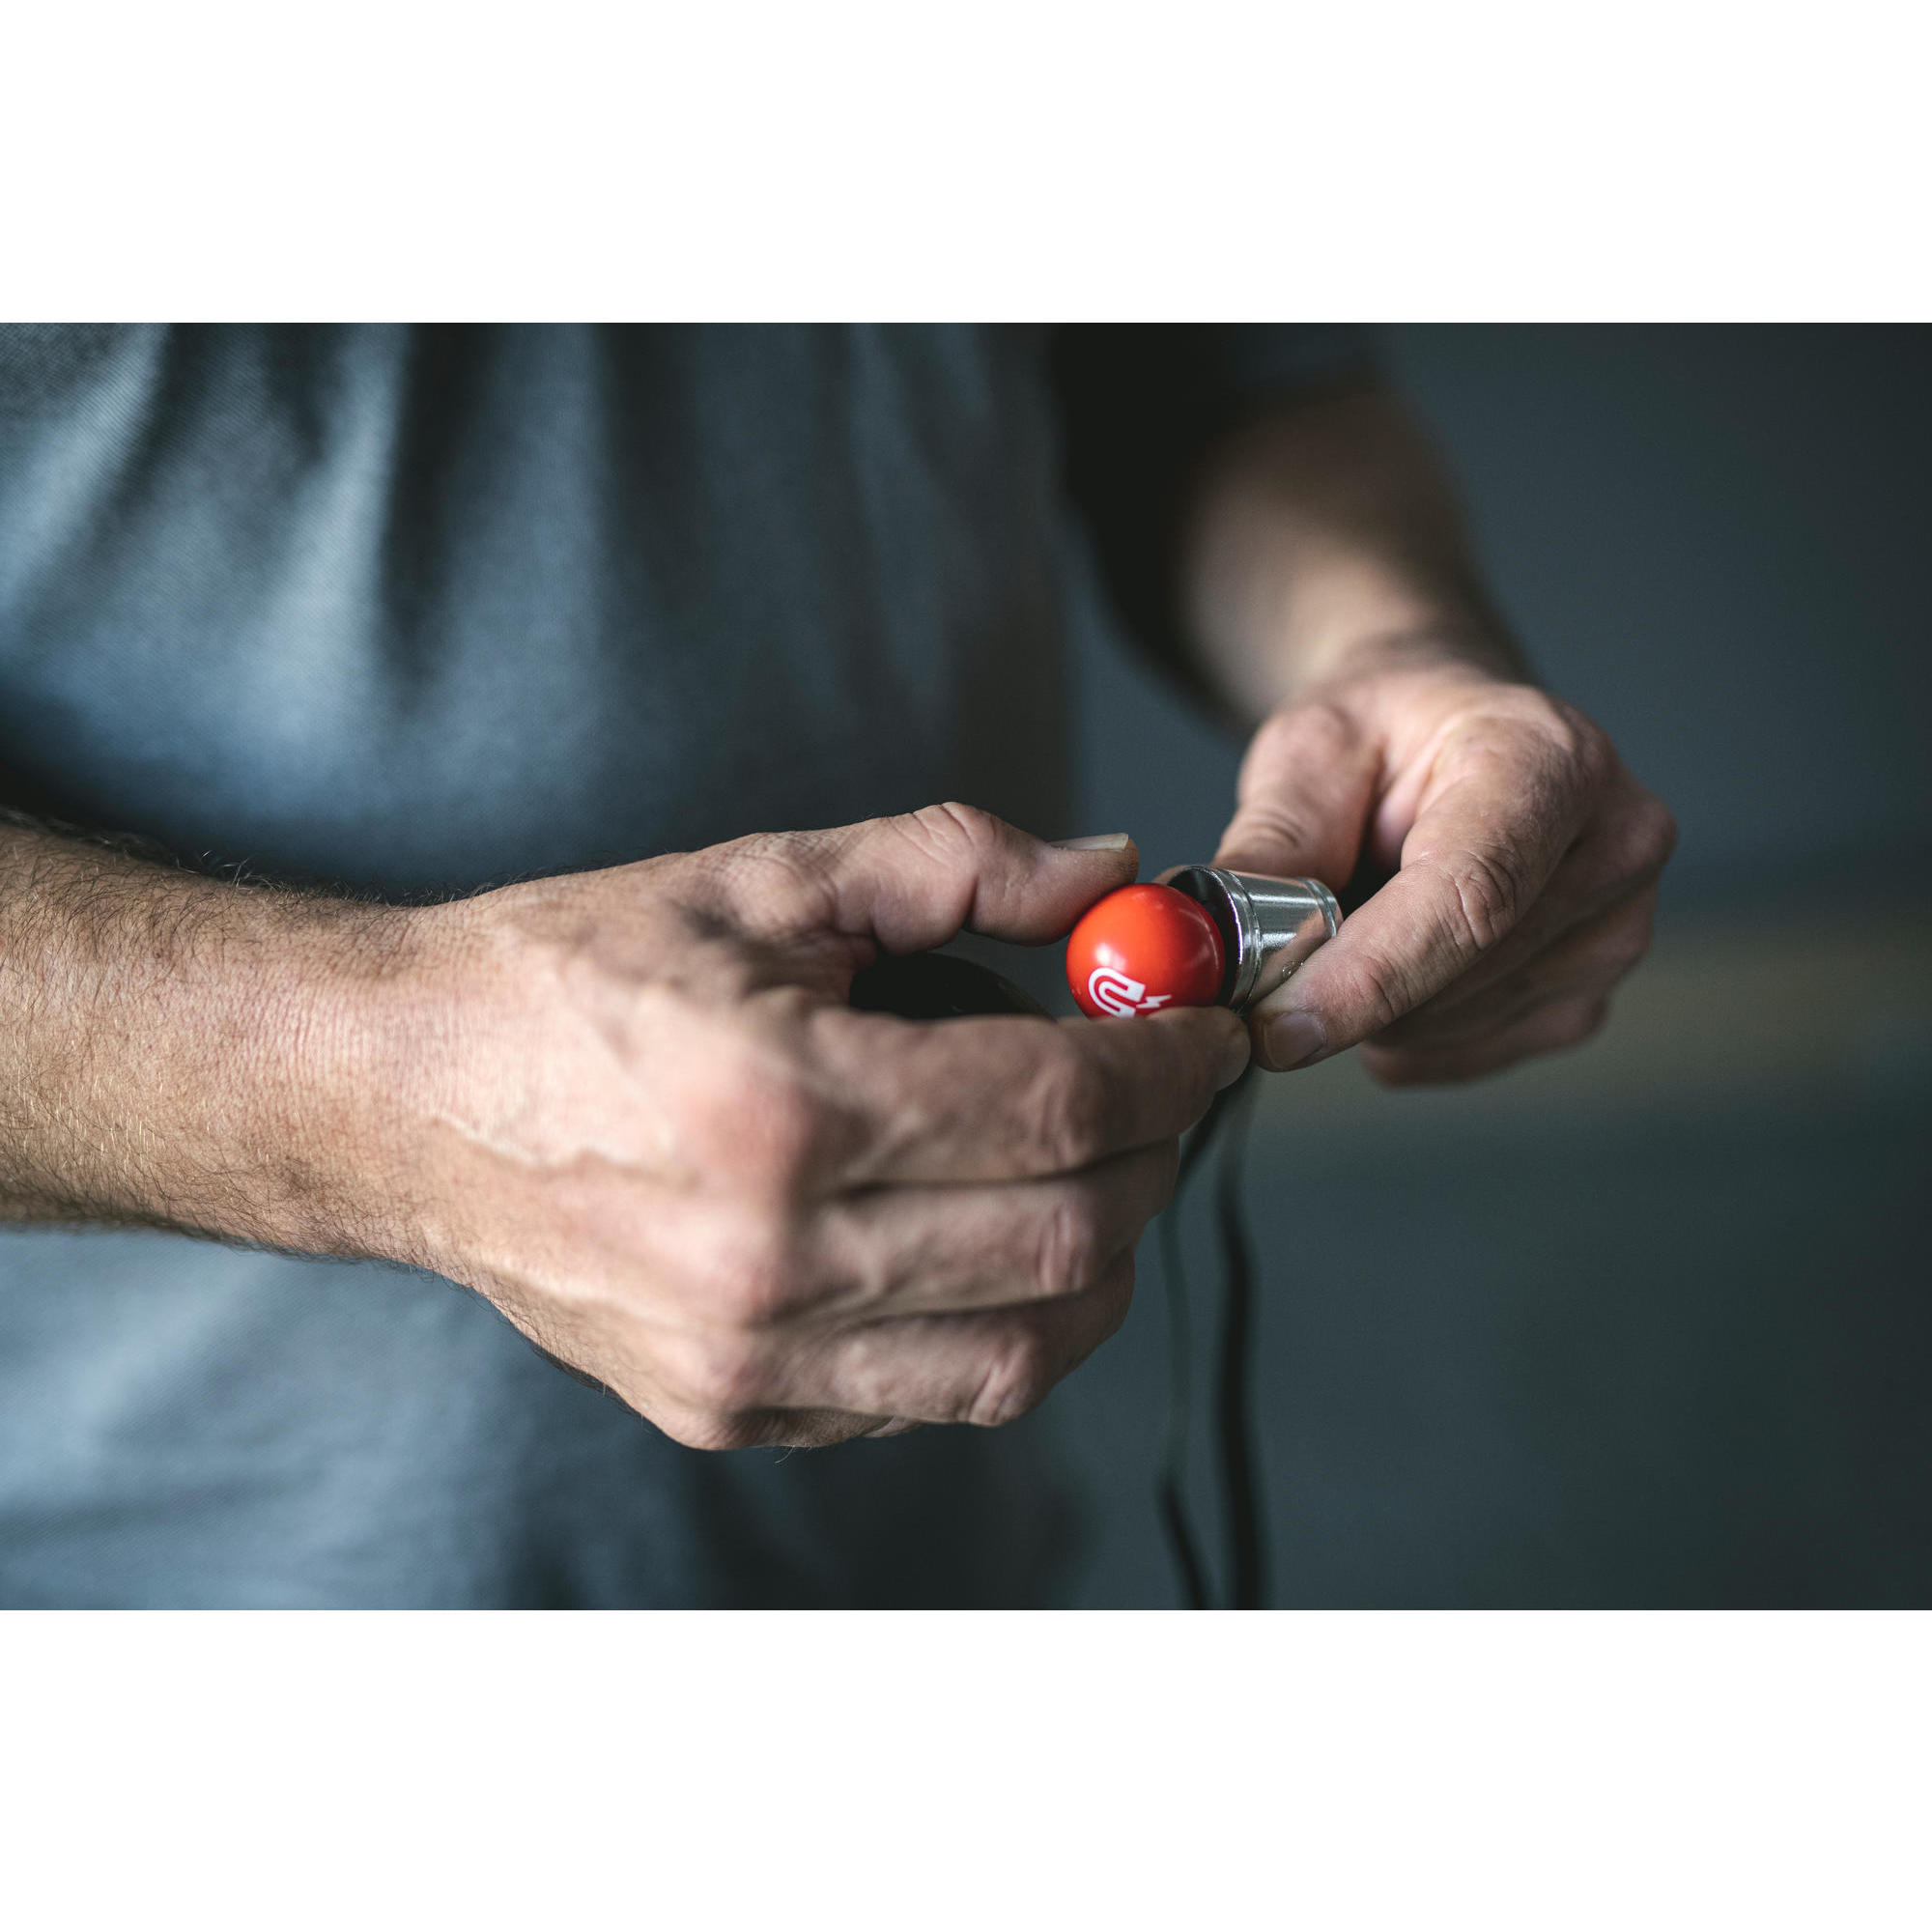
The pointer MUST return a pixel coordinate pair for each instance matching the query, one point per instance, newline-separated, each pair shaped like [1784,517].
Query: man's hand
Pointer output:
[1525,861]
[1332,595]
[631,1107]
[673,1155]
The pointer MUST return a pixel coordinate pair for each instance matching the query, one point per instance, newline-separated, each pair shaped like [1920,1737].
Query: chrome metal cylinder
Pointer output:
[1268,926]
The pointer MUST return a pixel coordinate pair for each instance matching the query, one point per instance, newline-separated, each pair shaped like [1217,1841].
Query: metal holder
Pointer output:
[1268,926]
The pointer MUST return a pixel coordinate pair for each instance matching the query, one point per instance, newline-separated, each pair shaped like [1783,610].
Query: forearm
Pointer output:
[1327,538]
[179,1051]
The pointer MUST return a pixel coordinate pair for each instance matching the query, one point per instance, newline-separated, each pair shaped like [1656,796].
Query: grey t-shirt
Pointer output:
[417,610]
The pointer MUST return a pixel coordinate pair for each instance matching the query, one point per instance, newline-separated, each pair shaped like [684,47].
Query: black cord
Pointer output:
[930,985]
[1171,1485]
[1246,1551]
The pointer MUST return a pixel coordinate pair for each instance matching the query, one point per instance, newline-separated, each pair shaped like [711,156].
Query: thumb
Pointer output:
[1303,798]
[918,880]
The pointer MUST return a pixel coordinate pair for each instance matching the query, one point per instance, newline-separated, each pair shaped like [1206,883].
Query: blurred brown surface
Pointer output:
[1788,1009]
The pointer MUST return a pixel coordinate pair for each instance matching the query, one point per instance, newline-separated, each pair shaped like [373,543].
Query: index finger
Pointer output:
[1005,1100]
[1473,864]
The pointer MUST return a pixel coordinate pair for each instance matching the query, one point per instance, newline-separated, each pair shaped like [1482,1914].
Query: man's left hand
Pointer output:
[1523,857]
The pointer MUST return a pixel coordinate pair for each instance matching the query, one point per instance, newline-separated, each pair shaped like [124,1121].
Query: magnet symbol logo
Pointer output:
[1113,992]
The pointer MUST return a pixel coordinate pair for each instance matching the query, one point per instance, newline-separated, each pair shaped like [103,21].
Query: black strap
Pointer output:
[1246,1549]
[1241,1494]
[934,987]
[1169,1491]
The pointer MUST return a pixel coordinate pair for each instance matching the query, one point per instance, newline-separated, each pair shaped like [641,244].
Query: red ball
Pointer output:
[1141,949]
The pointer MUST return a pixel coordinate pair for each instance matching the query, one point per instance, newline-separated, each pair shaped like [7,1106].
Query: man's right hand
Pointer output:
[633,1109]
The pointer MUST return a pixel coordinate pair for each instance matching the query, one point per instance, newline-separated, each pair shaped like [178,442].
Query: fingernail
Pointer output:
[1294,1040]
[1233,1058]
[1097,842]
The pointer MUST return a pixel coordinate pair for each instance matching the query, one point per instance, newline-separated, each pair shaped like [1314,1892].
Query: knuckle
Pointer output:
[700,1428]
[754,1274]
[1068,1109]
[1068,1247]
[1486,895]
[1302,729]
[953,827]
[1654,836]
[781,1132]
[1278,733]
[1627,949]
[1017,1378]
[1588,746]
[719,1376]
[1376,989]
[1581,747]
[763,1126]
[1547,755]
[1270,823]
[770,881]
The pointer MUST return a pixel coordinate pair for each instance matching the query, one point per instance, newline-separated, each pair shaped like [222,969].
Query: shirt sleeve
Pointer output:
[1139,408]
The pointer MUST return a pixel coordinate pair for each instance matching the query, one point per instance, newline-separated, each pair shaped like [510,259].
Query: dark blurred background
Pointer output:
[1647,1323]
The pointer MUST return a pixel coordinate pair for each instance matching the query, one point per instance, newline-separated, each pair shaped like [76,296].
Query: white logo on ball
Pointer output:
[1113,992]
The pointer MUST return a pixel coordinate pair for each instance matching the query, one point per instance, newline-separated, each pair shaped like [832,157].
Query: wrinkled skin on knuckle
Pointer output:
[1263,820]
[749,1273]
[1538,757]
[1580,744]
[1546,731]
[1316,732]
[1034,1349]
[773,884]
[1375,986]
[954,827]
[716,1379]
[1018,1376]
[1320,726]
[1067,1103]
[954,838]
[1277,825]
[800,895]
[1068,1247]
[1487,892]
[757,1127]
[698,1429]
[787,1137]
